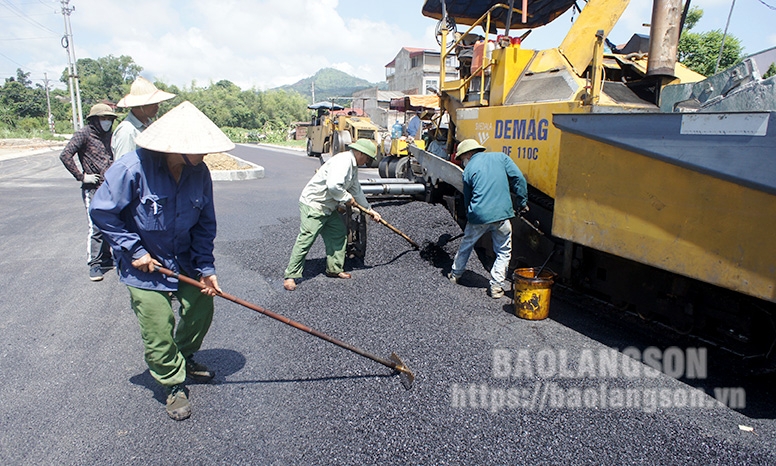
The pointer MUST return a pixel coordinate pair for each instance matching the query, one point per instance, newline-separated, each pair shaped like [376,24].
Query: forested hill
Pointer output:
[331,83]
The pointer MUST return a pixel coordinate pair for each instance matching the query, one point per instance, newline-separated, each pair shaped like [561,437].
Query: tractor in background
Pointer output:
[334,127]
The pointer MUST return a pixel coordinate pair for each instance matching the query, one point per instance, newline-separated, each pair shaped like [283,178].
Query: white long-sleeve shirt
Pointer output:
[123,141]
[336,182]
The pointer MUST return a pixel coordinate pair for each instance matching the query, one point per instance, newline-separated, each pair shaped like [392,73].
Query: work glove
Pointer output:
[523,210]
[92,178]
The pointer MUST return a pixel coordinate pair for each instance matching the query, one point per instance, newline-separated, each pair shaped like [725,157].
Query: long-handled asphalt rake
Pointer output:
[394,362]
[391,227]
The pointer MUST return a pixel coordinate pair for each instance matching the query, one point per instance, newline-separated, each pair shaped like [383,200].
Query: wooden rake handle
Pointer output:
[391,227]
[394,362]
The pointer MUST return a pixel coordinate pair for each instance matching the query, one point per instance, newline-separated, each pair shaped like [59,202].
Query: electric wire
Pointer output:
[769,6]
[14,9]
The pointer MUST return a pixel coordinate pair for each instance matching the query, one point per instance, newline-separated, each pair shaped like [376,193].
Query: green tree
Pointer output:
[771,71]
[699,50]
[229,106]
[23,78]
[693,16]
[18,99]
[281,108]
[106,78]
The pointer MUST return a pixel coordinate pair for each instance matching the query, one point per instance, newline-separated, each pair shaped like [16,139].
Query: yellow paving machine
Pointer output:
[651,186]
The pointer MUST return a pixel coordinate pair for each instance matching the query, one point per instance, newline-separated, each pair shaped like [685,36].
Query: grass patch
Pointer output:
[7,133]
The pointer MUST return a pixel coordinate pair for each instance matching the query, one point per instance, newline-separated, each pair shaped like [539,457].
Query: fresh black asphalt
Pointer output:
[75,389]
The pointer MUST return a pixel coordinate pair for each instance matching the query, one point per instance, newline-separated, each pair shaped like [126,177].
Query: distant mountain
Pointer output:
[331,83]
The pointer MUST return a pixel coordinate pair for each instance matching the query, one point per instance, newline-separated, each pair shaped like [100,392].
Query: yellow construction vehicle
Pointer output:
[635,200]
[334,127]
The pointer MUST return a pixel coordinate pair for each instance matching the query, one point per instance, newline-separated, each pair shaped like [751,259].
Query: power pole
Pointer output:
[312,87]
[75,92]
[724,35]
[49,117]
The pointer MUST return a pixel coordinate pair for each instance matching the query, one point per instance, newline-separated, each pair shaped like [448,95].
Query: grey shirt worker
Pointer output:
[124,137]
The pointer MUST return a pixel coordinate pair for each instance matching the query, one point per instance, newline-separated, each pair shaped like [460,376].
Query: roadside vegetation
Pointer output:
[245,116]
[699,51]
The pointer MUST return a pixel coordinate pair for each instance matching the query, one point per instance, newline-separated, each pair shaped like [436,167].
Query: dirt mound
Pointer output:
[222,161]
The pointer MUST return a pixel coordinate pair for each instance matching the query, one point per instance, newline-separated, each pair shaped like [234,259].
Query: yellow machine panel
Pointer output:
[616,200]
[523,132]
[399,146]
[512,61]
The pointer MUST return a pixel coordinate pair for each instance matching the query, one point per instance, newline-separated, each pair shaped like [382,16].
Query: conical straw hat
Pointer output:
[143,92]
[184,130]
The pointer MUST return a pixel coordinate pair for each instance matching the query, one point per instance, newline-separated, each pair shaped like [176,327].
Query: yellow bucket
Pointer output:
[532,293]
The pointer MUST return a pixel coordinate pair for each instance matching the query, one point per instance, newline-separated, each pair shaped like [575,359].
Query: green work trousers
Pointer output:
[166,346]
[332,230]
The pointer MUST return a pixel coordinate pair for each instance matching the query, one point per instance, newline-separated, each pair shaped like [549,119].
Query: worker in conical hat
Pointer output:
[143,103]
[156,209]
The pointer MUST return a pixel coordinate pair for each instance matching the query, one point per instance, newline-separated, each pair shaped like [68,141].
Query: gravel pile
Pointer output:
[351,410]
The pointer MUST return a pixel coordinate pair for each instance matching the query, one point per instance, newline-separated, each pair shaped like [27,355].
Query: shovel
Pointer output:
[394,362]
[391,227]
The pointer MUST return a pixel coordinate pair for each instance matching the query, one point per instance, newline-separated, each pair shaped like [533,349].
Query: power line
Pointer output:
[28,15]
[24,16]
[12,61]
[769,6]
[26,38]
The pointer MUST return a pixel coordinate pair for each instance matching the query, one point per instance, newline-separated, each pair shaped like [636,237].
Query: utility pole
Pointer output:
[49,117]
[67,43]
[724,35]
[312,87]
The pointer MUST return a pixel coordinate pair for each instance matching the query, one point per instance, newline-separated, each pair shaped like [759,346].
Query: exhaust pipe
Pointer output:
[664,32]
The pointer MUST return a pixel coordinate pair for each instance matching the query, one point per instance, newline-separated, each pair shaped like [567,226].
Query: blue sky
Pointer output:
[267,43]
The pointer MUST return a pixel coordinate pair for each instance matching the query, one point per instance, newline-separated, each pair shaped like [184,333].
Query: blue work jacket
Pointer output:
[488,179]
[141,209]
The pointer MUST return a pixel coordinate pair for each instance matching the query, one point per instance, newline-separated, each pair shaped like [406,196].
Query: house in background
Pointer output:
[411,72]
[376,104]
[414,70]
[764,59]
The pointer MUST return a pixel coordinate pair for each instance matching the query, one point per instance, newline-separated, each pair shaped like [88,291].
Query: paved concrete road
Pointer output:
[75,389]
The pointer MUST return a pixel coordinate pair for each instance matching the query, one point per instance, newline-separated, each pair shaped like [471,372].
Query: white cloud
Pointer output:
[256,44]
[267,43]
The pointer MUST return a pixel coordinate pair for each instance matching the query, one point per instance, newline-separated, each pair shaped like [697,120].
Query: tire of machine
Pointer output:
[341,141]
[399,167]
[310,152]
[355,222]
[382,168]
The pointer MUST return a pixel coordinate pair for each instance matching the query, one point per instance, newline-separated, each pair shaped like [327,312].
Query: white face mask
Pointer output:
[106,125]
[464,162]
